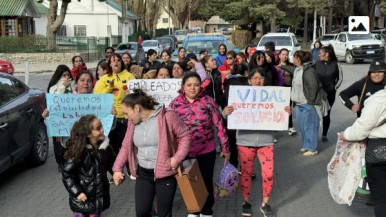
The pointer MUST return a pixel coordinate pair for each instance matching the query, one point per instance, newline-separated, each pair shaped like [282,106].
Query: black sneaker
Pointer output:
[266,210]
[247,209]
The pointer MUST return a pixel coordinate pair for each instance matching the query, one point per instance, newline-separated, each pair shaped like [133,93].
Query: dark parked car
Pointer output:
[167,43]
[23,134]
[174,39]
[6,67]
[135,49]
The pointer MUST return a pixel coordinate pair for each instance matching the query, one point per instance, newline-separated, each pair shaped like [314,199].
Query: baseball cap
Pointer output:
[377,66]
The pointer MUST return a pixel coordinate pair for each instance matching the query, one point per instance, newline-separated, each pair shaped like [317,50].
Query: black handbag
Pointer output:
[376,152]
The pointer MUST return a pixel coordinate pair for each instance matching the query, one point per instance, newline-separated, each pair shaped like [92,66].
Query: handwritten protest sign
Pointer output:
[258,108]
[65,109]
[163,90]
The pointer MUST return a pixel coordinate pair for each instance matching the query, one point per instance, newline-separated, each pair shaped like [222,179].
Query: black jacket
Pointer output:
[88,177]
[356,90]
[328,74]
[231,80]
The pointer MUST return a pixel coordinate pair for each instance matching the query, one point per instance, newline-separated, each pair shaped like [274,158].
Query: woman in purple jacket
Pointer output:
[200,113]
[149,156]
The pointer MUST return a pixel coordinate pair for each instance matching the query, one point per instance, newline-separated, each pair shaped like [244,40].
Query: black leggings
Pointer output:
[326,120]
[234,159]
[58,150]
[146,188]
[376,176]
[206,164]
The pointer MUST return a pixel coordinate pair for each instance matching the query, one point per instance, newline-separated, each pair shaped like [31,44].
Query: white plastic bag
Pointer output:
[344,170]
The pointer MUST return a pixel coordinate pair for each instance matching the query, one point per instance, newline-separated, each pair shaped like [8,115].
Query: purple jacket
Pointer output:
[180,140]
[201,116]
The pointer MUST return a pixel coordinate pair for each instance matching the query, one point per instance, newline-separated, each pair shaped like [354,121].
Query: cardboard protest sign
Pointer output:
[65,109]
[163,90]
[258,108]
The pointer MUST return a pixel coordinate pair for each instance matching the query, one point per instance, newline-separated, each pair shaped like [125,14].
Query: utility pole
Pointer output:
[190,14]
[169,15]
[124,21]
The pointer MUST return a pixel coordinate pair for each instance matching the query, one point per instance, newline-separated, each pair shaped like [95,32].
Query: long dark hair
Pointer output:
[58,75]
[287,62]
[78,141]
[139,97]
[331,53]
[164,67]
[190,75]
[253,61]
[110,70]
[303,56]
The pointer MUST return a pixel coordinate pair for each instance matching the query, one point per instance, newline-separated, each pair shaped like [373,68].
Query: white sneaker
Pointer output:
[202,215]
[133,177]
[193,215]
[292,131]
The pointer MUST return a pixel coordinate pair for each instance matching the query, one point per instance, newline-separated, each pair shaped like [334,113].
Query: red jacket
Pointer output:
[75,71]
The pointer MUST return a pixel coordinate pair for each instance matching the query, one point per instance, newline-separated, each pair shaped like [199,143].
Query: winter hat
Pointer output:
[377,66]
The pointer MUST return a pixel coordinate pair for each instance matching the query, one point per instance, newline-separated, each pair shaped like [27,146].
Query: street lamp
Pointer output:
[190,14]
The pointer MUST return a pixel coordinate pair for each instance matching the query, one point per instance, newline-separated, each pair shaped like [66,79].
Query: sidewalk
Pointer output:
[39,68]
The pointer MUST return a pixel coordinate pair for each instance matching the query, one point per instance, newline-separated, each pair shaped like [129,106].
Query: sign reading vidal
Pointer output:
[65,109]
[163,90]
[258,108]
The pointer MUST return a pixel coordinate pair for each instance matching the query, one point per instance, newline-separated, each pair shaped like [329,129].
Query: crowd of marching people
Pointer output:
[139,145]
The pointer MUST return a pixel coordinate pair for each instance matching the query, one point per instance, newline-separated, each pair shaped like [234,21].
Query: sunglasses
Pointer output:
[230,58]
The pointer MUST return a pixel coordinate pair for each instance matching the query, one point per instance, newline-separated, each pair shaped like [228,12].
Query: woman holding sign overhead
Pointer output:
[252,144]
[201,114]
[115,82]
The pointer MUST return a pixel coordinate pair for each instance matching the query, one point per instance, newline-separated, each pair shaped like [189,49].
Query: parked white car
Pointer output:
[281,40]
[357,47]
[152,44]
[180,35]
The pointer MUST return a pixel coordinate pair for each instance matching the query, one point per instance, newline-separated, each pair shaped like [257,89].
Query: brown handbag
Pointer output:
[192,186]
[189,180]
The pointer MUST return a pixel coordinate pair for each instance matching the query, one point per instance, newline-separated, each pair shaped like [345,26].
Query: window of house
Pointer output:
[165,20]
[62,31]
[10,29]
[80,30]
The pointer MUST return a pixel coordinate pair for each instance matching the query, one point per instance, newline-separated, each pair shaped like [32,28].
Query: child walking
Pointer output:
[84,171]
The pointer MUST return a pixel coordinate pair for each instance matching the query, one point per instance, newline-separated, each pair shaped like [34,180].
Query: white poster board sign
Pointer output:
[258,108]
[163,90]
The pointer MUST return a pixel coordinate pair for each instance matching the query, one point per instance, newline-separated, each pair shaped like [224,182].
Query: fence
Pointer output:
[90,47]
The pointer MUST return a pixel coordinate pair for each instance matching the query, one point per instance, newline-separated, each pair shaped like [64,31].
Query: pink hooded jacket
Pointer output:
[201,116]
[178,133]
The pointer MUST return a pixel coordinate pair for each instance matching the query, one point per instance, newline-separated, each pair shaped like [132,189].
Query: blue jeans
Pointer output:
[308,123]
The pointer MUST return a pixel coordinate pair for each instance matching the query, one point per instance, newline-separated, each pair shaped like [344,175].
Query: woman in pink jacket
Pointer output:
[151,131]
[200,113]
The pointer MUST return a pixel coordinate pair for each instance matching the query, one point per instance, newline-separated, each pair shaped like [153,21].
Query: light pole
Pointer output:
[124,21]
[169,15]
[190,14]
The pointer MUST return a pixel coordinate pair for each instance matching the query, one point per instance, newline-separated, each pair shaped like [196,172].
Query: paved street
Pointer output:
[300,184]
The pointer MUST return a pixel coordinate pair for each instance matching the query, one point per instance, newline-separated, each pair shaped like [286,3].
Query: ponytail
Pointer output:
[139,97]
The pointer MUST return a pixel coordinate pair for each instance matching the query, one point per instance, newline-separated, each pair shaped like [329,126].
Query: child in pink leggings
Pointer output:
[252,144]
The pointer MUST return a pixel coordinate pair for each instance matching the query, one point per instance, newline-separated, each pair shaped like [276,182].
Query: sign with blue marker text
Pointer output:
[258,108]
[163,90]
[65,109]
